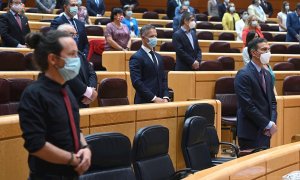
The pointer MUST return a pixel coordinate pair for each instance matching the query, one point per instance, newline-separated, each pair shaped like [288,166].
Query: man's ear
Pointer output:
[52,59]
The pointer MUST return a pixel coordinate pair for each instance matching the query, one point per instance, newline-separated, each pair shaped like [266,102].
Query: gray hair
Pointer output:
[146,28]
[65,26]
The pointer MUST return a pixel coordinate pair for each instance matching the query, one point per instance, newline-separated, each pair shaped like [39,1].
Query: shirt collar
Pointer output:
[146,49]
[13,13]
[256,66]
[68,17]
[183,28]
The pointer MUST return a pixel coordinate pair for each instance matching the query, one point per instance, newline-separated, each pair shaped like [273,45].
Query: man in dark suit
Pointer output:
[267,7]
[147,70]
[256,114]
[293,25]
[70,10]
[133,3]
[14,26]
[222,7]
[84,84]
[95,7]
[171,6]
[185,42]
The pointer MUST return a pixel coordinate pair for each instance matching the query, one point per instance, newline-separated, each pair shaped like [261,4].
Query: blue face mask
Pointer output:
[186,3]
[71,68]
[129,13]
[73,10]
[152,42]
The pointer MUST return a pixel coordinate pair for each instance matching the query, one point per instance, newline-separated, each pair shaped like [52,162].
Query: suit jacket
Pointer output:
[293,27]
[86,78]
[93,9]
[267,7]
[83,43]
[129,2]
[222,9]
[185,54]
[11,33]
[146,79]
[255,107]
[171,6]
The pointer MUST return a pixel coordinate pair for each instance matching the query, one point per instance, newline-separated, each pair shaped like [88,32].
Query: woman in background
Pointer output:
[281,16]
[230,18]
[251,25]
[131,22]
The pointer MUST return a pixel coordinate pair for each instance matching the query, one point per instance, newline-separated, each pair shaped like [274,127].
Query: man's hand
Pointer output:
[85,156]
[158,100]
[195,66]
[271,131]
[87,100]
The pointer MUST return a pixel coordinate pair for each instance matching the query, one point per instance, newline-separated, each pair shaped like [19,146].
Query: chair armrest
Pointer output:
[180,174]
[233,146]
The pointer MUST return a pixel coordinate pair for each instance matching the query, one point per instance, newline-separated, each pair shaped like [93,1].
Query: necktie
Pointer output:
[154,59]
[262,80]
[18,20]
[73,23]
[71,118]
[233,22]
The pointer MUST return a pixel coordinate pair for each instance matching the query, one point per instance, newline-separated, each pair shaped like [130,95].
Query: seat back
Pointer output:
[227,36]
[215,19]
[207,111]
[111,155]
[296,62]
[278,49]
[169,25]
[210,66]
[160,33]
[11,61]
[94,30]
[30,64]
[168,34]
[136,45]
[112,92]
[150,15]
[205,35]
[218,27]
[291,85]
[227,62]
[167,46]
[279,38]
[102,21]
[4,97]
[204,25]
[284,66]
[45,29]
[224,91]
[268,36]
[222,47]
[193,144]
[293,49]
[169,63]
[140,10]
[150,157]
[201,17]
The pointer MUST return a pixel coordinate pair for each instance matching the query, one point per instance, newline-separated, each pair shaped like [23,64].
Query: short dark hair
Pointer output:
[298,6]
[186,16]
[250,36]
[146,28]
[66,2]
[43,45]
[114,12]
[252,45]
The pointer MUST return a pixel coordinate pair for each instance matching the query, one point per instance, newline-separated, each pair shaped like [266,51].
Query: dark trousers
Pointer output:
[33,176]
[260,141]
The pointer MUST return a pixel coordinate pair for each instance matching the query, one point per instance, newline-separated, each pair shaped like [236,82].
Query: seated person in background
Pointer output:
[83,15]
[132,3]
[251,35]
[230,18]
[185,3]
[282,15]
[117,35]
[176,20]
[45,6]
[267,7]
[68,16]
[147,70]
[293,25]
[14,26]
[84,84]
[185,42]
[240,24]
[251,25]
[171,6]
[257,10]
[131,22]
[222,7]
[212,8]
[95,7]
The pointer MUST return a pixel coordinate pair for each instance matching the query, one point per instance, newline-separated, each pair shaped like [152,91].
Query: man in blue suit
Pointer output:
[185,42]
[147,70]
[293,25]
[95,7]
[70,11]
[256,114]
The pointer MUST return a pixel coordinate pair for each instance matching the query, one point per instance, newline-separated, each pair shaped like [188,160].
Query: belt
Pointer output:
[34,176]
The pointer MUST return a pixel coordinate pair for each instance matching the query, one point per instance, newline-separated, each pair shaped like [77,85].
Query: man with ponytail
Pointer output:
[48,111]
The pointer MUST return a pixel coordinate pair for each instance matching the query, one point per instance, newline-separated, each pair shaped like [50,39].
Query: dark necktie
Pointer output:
[233,22]
[71,118]
[18,19]
[263,80]
[73,23]
[154,59]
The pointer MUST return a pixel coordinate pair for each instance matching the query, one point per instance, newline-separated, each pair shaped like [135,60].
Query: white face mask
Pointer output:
[17,8]
[232,9]
[245,17]
[226,1]
[192,24]
[254,23]
[265,58]
[258,2]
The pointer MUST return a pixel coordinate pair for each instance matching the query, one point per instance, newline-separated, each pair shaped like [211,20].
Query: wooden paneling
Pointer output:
[278,174]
